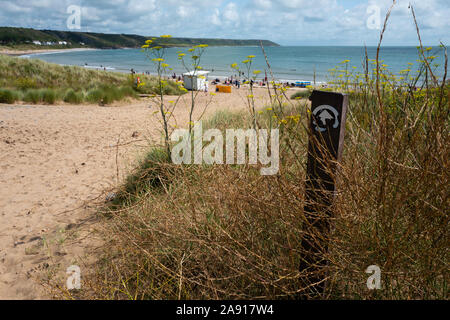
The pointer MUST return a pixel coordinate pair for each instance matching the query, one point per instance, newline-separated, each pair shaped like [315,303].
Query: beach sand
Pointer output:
[57,163]
[20,52]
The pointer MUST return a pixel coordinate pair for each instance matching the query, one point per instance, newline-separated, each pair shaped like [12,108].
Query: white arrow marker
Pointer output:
[324,116]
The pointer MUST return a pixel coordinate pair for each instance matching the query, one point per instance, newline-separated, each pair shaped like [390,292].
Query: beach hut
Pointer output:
[196,80]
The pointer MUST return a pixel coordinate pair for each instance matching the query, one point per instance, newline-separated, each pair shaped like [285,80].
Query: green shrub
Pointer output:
[94,96]
[25,83]
[49,96]
[151,86]
[128,91]
[114,93]
[60,94]
[303,94]
[151,174]
[73,97]
[8,96]
[224,119]
[33,96]
[108,96]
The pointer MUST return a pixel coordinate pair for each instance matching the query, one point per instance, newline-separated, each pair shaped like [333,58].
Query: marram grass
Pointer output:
[26,77]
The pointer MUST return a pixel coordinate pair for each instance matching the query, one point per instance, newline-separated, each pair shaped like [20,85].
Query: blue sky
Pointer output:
[288,22]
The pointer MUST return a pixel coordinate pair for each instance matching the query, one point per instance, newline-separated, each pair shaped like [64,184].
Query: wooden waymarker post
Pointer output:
[327,128]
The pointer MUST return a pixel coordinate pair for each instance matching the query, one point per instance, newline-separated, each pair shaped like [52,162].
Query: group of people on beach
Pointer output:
[228,82]
[176,78]
[233,80]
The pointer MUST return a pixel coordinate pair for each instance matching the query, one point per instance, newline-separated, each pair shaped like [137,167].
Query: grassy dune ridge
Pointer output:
[37,81]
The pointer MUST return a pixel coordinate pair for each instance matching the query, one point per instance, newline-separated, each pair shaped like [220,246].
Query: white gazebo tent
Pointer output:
[196,80]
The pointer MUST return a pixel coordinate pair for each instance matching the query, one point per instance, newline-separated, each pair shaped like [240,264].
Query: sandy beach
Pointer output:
[59,162]
[14,52]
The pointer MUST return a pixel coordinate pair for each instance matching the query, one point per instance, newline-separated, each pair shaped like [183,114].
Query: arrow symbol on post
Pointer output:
[324,116]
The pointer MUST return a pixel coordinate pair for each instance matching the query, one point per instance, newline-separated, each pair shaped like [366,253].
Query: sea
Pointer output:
[287,63]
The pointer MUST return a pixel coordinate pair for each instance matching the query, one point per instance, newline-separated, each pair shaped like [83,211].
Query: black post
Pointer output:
[327,128]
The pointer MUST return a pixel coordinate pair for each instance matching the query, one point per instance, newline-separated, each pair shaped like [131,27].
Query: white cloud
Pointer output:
[262,4]
[230,13]
[293,4]
[183,12]
[215,18]
[318,22]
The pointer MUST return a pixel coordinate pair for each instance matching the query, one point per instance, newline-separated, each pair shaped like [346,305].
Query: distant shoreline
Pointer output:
[16,53]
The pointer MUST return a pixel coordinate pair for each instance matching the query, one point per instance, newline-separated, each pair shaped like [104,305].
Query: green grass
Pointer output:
[302,94]
[25,83]
[93,86]
[32,96]
[30,73]
[49,96]
[150,175]
[94,95]
[73,97]
[226,119]
[8,96]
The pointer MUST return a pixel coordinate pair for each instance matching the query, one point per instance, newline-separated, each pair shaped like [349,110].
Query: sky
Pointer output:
[287,22]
